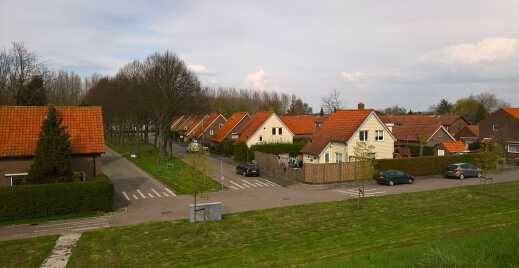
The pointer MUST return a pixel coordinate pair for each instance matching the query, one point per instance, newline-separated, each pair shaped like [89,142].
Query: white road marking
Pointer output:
[165,194]
[142,195]
[151,195]
[156,193]
[170,192]
[233,188]
[126,196]
[135,197]
[248,183]
[239,186]
[271,183]
[263,183]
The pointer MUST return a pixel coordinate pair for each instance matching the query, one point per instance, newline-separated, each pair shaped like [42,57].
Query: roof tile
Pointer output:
[20,127]
[228,126]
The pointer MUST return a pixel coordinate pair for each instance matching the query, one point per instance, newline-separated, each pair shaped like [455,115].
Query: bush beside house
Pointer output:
[43,200]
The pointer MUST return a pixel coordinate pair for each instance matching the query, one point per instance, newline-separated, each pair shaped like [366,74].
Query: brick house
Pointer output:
[20,127]
[231,129]
[502,126]
[207,127]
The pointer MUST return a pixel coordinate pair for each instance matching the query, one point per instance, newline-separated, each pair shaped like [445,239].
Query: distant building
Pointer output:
[503,127]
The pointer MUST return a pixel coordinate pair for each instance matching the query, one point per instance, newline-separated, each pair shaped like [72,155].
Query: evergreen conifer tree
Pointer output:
[52,159]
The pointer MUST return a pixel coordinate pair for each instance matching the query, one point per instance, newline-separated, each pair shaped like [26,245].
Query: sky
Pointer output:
[383,53]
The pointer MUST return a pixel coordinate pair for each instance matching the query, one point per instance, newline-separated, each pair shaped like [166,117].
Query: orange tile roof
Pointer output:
[414,119]
[454,146]
[176,121]
[474,129]
[255,122]
[411,132]
[512,111]
[206,122]
[20,127]
[302,124]
[193,124]
[339,126]
[228,126]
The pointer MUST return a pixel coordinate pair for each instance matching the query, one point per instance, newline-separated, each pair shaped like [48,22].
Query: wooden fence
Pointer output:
[272,166]
[337,172]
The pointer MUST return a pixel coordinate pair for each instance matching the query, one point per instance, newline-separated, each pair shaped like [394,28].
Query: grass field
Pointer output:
[26,252]
[175,173]
[333,234]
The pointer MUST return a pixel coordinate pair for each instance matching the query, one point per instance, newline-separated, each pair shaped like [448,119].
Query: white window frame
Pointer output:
[273,131]
[327,157]
[260,138]
[211,132]
[381,137]
[363,138]
[338,157]
[280,131]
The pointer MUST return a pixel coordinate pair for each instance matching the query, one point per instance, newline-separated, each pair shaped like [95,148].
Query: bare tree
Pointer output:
[6,62]
[332,102]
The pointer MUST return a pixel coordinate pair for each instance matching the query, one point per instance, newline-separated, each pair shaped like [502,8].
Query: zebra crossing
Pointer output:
[148,194]
[356,192]
[243,184]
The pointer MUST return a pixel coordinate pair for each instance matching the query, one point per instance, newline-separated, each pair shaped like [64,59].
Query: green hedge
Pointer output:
[424,166]
[241,153]
[279,148]
[43,200]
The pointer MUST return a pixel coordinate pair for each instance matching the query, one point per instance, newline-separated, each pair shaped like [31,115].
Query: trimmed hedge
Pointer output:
[241,153]
[43,200]
[424,166]
[279,148]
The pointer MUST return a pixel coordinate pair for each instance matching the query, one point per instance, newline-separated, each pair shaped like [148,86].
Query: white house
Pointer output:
[344,133]
[265,127]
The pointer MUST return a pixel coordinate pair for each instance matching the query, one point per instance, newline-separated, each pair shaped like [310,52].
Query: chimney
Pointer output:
[390,126]
[361,106]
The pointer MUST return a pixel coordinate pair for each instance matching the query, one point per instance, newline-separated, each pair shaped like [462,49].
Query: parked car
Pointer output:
[247,169]
[462,171]
[193,147]
[393,177]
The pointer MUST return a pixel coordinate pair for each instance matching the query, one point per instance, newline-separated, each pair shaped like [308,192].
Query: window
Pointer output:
[513,148]
[371,155]
[379,135]
[235,136]
[211,132]
[273,131]
[363,135]
[338,157]
[280,131]
[260,138]
[220,125]
[327,157]
[495,127]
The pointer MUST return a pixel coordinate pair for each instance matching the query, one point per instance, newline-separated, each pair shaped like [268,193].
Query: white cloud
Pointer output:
[257,80]
[200,69]
[488,50]
[353,77]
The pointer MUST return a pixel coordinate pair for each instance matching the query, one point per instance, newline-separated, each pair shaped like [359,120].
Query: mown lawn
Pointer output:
[175,173]
[316,234]
[26,252]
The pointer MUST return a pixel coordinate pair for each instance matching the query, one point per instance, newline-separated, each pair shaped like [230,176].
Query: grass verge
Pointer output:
[175,173]
[26,252]
[312,234]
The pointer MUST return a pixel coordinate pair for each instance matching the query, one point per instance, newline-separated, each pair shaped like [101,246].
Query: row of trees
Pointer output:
[26,80]
[474,107]
[149,93]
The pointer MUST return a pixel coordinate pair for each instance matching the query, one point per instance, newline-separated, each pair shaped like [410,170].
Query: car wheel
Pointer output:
[391,183]
[410,181]
[462,177]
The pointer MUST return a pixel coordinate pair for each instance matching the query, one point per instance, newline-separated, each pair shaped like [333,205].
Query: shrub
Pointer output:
[43,200]
[242,153]
[427,165]
[415,149]
[279,148]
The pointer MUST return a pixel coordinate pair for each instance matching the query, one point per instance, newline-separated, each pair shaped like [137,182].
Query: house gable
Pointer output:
[265,132]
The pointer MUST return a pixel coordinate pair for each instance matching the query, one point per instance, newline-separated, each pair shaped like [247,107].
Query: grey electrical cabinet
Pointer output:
[205,212]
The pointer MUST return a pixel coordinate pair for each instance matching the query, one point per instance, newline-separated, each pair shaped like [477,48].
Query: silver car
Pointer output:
[462,171]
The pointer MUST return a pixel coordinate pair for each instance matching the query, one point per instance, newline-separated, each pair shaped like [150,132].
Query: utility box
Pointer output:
[205,212]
